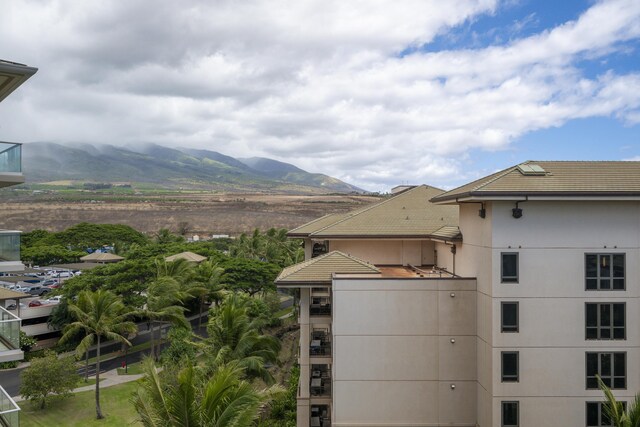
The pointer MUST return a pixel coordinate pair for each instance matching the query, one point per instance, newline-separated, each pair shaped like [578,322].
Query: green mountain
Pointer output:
[170,168]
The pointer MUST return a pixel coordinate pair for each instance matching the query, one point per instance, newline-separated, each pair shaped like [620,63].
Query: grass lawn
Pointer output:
[80,410]
[280,313]
[132,369]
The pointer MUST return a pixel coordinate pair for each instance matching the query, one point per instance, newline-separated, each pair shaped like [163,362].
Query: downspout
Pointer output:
[453,251]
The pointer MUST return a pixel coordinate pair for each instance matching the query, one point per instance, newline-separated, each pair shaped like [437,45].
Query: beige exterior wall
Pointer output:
[551,239]
[387,252]
[394,361]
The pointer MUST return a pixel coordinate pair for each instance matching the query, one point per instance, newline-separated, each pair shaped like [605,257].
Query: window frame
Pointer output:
[509,329]
[608,378]
[510,279]
[509,378]
[502,407]
[598,278]
[599,328]
[600,414]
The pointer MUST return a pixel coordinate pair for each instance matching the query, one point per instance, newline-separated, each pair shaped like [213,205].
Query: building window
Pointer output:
[509,316]
[605,321]
[596,416]
[510,414]
[604,272]
[612,368]
[510,366]
[509,267]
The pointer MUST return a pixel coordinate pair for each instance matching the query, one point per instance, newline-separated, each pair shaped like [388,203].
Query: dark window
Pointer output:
[605,321]
[612,368]
[596,416]
[510,414]
[509,316]
[509,366]
[604,272]
[509,268]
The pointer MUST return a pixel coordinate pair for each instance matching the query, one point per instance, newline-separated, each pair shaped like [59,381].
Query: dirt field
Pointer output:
[205,213]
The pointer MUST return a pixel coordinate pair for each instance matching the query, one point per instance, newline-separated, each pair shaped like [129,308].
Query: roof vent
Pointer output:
[529,169]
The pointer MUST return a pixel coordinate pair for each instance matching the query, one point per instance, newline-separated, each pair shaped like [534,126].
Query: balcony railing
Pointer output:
[320,416]
[10,157]
[9,410]
[9,246]
[9,331]
[320,348]
[321,390]
[320,310]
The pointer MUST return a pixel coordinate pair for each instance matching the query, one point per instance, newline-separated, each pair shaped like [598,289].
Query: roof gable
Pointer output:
[407,214]
[554,178]
[322,268]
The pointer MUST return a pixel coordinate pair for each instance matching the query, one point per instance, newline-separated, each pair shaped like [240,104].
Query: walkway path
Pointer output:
[107,379]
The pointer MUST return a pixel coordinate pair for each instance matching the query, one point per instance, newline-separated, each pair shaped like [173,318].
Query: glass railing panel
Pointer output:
[9,246]
[9,410]
[9,329]
[10,157]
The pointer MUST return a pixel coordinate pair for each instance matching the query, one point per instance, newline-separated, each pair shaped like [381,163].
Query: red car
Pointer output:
[35,303]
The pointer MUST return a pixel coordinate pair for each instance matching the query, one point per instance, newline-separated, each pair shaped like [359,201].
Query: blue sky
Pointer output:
[373,92]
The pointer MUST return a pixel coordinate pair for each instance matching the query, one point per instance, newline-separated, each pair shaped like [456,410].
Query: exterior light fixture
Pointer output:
[517,211]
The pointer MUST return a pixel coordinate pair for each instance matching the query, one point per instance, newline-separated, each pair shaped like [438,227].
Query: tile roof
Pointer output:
[322,268]
[6,294]
[406,214]
[559,178]
[189,256]
[101,257]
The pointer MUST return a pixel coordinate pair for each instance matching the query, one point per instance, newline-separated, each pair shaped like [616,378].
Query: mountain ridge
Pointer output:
[170,168]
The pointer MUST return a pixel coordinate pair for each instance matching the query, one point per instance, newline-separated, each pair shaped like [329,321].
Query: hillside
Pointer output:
[165,167]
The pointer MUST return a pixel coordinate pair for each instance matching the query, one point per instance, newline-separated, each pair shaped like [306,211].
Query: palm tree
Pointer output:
[234,337]
[223,401]
[164,297]
[616,411]
[206,284]
[99,314]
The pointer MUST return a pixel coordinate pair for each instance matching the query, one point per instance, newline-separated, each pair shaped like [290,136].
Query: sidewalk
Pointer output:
[107,379]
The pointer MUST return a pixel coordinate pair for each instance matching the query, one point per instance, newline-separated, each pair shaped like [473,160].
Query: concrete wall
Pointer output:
[408,326]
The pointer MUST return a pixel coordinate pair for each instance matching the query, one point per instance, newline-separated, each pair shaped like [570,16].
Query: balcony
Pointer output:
[10,251]
[320,383]
[10,164]
[320,303]
[320,345]
[320,310]
[9,337]
[9,410]
[320,416]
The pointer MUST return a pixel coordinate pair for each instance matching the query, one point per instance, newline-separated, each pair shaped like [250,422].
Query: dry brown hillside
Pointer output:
[205,213]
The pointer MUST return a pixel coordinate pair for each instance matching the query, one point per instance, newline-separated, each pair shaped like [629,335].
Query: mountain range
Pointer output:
[173,168]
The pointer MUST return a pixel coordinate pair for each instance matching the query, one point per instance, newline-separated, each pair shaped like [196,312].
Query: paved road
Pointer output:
[10,379]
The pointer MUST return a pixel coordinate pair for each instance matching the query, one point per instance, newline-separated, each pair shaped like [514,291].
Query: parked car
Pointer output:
[33,290]
[13,306]
[55,300]
[61,274]
[35,303]
[42,291]
[52,283]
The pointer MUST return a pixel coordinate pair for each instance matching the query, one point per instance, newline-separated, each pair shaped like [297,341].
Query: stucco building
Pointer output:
[493,304]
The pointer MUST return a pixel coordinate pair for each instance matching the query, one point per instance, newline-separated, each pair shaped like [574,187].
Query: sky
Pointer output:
[374,92]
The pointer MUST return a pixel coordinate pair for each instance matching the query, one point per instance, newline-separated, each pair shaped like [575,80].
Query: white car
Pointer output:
[54,300]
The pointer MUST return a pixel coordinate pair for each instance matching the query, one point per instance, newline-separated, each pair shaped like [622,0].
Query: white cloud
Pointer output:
[319,84]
